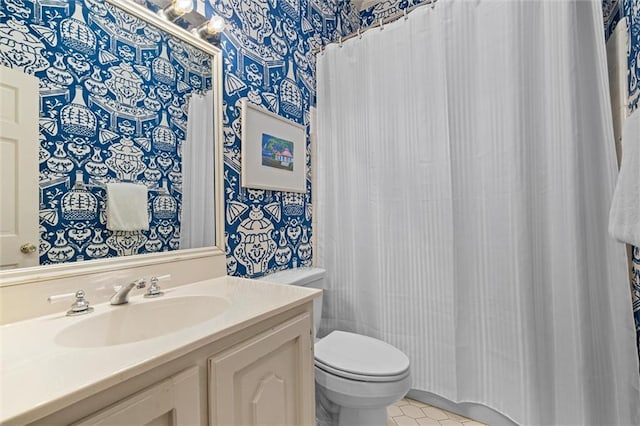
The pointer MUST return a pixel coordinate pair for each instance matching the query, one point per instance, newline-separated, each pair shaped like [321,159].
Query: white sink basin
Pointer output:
[134,322]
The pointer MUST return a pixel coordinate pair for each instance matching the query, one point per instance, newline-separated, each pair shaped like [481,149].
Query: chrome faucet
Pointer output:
[122,294]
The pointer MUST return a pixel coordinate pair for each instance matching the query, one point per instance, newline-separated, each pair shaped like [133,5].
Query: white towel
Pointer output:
[127,207]
[624,217]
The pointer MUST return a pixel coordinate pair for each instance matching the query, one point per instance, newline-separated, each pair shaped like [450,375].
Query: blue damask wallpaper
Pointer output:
[267,58]
[113,99]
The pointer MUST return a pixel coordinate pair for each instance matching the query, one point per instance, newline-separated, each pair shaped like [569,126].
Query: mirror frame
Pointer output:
[72,269]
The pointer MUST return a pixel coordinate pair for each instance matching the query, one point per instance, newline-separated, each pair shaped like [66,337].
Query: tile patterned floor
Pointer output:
[409,412]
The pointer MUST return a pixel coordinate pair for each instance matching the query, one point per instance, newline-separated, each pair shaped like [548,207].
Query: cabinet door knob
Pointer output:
[28,248]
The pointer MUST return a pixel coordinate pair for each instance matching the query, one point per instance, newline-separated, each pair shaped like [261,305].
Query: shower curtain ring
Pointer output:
[433,4]
[340,41]
[405,14]
[359,34]
[381,23]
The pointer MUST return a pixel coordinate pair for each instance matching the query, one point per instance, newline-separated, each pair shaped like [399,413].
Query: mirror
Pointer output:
[124,97]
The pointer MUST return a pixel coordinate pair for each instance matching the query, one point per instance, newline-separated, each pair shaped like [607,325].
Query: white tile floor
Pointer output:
[410,412]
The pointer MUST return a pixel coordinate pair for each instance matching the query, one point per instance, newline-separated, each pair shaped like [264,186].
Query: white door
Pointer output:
[19,106]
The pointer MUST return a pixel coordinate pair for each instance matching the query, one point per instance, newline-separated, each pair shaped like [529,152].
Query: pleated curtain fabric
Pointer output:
[465,171]
[198,182]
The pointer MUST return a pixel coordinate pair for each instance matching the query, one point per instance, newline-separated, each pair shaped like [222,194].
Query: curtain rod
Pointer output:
[380,23]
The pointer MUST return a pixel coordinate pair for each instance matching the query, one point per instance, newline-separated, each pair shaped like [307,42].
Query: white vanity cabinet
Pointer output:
[267,380]
[260,373]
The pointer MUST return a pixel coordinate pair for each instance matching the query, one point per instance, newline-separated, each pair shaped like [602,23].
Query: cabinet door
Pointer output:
[267,380]
[175,401]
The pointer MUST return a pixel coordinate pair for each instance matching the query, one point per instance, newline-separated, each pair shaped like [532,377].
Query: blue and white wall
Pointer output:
[267,58]
[113,96]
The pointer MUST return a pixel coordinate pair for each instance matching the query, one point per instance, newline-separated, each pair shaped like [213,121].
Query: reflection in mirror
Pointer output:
[125,147]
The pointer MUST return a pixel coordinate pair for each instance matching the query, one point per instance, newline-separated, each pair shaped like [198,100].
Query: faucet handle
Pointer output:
[79,307]
[154,288]
[55,298]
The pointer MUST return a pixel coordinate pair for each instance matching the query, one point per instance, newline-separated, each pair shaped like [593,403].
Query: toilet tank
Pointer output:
[304,277]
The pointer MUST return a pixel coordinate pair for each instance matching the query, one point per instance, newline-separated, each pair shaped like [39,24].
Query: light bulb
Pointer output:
[176,9]
[182,6]
[215,24]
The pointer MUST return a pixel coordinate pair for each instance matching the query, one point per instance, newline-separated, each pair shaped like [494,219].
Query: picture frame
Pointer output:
[273,151]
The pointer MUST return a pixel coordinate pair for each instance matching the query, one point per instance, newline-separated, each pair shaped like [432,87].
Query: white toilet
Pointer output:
[357,376]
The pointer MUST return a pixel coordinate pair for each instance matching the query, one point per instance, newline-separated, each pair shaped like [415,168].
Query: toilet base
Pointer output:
[344,402]
[330,414]
[362,416]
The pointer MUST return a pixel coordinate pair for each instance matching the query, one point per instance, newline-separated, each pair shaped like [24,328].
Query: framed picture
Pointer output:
[273,151]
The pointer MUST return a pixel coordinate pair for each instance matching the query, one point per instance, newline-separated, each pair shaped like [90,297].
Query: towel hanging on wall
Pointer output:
[624,217]
[127,207]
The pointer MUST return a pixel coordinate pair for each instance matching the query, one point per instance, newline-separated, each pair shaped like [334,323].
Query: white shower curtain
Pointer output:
[198,202]
[465,171]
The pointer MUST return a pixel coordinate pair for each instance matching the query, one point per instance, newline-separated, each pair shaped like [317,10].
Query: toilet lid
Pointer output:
[360,357]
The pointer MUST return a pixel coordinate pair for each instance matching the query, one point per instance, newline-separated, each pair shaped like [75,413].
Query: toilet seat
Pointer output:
[362,358]
[360,377]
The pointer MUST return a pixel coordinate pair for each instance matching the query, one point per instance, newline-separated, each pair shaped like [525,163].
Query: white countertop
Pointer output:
[39,377]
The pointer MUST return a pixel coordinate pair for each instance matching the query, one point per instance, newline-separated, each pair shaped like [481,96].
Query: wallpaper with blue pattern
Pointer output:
[113,102]
[267,59]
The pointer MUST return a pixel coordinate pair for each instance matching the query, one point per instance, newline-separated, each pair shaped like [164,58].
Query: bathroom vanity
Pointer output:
[221,351]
